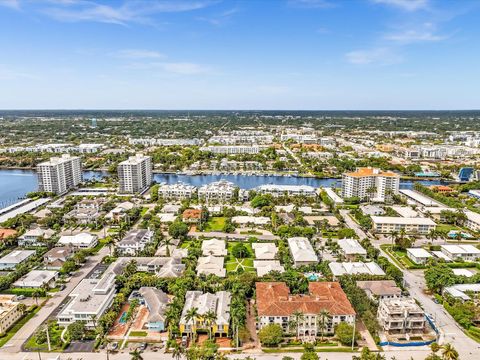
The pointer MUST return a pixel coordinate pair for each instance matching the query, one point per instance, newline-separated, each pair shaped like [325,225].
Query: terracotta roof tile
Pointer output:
[274,299]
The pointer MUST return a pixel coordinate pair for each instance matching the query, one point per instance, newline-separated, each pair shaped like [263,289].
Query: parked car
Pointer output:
[114,346]
[143,346]
[184,340]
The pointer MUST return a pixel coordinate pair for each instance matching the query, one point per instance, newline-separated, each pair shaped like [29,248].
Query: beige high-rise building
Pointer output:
[59,174]
[370,184]
[135,174]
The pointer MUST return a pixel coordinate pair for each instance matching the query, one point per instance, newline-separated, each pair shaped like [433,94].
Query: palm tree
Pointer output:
[323,318]
[136,355]
[210,317]
[449,352]
[191,316]
[393,236]
[177,351]
[298,316]
[22,307]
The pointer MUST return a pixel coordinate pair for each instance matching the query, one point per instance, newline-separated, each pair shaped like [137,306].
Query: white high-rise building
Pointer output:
[135,174]
[370,183]
[59,174]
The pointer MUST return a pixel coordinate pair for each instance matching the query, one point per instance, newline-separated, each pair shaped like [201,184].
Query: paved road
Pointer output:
[352,224]
[450,331]
[15,343]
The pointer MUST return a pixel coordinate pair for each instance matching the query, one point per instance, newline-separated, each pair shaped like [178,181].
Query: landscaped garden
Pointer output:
[240,256]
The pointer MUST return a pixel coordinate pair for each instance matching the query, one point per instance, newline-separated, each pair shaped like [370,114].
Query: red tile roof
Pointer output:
[192,214]
[274,299]
[4,233]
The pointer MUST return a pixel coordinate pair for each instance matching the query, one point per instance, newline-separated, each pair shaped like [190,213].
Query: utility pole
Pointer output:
[48,339]
[353,335]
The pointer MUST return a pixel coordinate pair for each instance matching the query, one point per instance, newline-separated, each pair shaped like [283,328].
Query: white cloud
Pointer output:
[311,4]
[406,5]
[412,36]
[12,4]
[139,54]
[138,11]
[382,56]
[220,19]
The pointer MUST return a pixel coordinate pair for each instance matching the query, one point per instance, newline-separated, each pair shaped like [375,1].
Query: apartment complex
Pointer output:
[387,224]
[400,316]
[89,300]
[178,191]
[290,190]
[275,305]
[135,174]
[218,303]
[9,312]
[220,191]
[232,149]
[370,184]
[59,174]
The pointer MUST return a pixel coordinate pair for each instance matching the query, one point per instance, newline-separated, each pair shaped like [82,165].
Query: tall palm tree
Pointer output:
[298,317]
[323,317]
[136,355]
[449,352]
[210,317]
[393,236]
[191,316]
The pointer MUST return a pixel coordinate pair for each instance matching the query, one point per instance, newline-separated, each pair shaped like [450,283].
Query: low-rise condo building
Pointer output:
[401,316]
[275,305]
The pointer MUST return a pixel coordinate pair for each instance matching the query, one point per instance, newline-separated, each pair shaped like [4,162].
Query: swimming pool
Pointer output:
[123,318]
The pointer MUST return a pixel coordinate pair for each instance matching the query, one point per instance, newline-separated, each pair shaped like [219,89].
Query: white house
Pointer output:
[351,248]
[32,237]
[81,241]
[12,259]
[214,247]
[211,265]
[264,251]
[302,251]
[134,241]
[353,268]
[418,255]
[463,252]
[37,279]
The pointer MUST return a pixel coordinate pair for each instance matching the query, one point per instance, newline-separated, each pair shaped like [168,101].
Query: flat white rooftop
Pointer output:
[420,198]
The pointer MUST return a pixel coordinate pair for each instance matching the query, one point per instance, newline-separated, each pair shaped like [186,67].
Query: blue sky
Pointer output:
[234,54]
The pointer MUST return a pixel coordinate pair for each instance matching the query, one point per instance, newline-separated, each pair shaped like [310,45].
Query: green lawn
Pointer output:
[233,264]
[55,341]
[13,330]
[138,333]
[399,257]
[215,224]
[447,227]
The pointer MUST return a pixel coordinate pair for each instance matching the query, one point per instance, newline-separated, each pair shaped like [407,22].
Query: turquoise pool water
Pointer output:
[123,318]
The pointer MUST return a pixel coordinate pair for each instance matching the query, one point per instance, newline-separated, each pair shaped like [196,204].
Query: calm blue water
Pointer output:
[14,184]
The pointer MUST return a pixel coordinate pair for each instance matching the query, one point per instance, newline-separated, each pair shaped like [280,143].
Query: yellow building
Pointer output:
[218,304]
[9,312]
